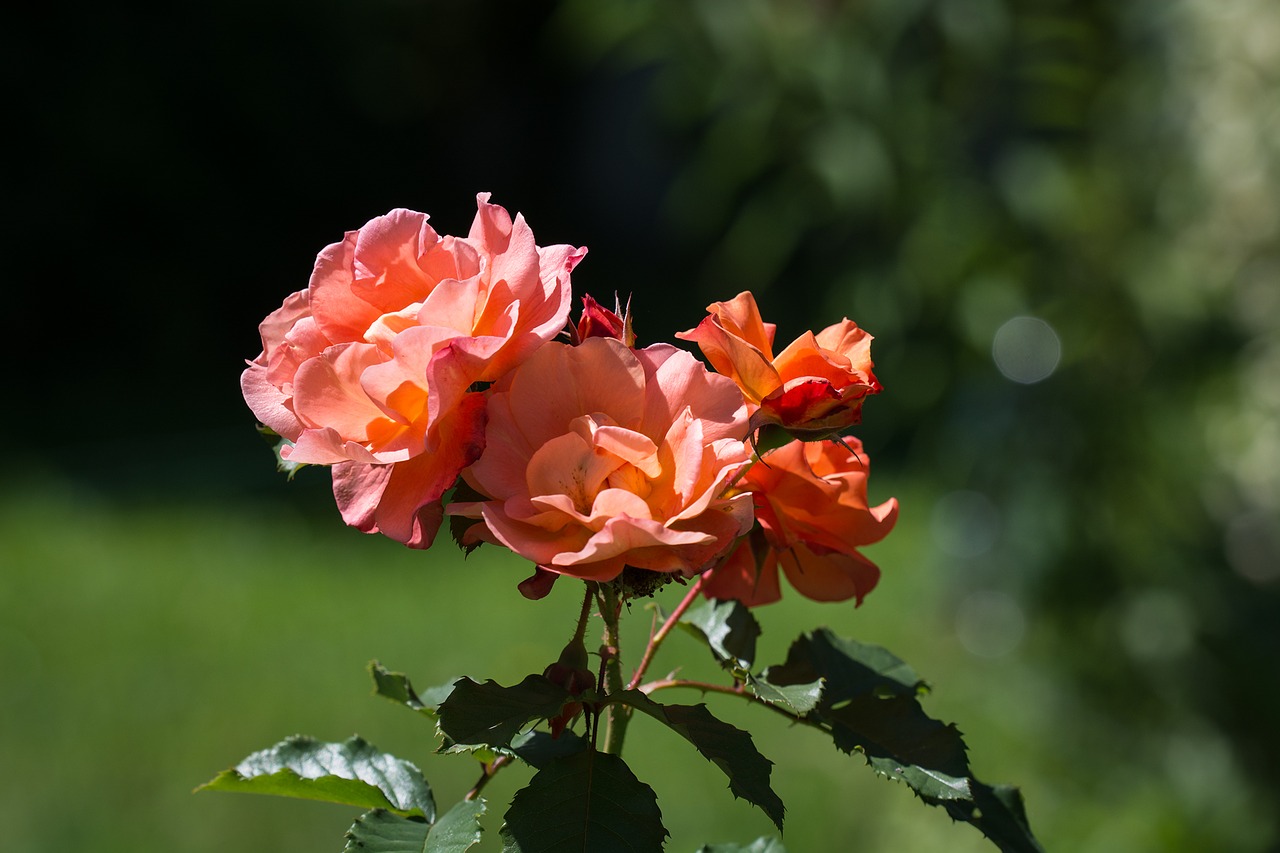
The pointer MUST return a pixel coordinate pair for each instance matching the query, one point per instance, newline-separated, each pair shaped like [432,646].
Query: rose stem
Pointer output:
[490,770]
[661,634]
[619,714]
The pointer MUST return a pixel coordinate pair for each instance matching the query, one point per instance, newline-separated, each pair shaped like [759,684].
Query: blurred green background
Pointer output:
[1060,220]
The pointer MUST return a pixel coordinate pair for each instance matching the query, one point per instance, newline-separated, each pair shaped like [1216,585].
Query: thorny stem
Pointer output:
[661,634]
[583,615]
[619,715]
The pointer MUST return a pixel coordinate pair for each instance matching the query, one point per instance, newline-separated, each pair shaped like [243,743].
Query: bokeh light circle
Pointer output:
[1026,350]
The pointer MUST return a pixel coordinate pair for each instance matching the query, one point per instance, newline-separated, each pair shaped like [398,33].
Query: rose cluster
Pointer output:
[442,375]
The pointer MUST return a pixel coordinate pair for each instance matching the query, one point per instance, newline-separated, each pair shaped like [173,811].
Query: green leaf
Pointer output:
[588,802]
[396,687]
[798,698]
[491,715]
[381,831]
[458,829]
[538,749]
[870,705]
[849,667]
[728,628]
[278,443]
[764,844]
[1000,815]
[903,743]
[729,748]
[353,773]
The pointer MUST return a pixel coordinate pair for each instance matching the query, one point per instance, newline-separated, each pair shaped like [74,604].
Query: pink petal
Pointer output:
[328,392]
[358,488]
[340,313]
[269,406]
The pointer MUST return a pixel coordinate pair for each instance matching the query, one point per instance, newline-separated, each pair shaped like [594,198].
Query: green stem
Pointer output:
[618,714]
[585,613]
[661,634]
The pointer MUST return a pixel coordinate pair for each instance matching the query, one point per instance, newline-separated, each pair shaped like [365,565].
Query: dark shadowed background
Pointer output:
[1061,221]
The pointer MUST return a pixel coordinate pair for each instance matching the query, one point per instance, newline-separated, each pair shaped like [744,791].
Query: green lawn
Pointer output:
[145,649]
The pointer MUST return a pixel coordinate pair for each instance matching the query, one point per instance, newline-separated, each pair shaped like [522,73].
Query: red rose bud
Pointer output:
[596,321]
[814,409]
[571,673]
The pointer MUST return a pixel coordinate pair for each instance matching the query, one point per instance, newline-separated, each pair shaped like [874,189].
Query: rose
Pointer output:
[814,388]
[368,369]
[599,457]
[811,505]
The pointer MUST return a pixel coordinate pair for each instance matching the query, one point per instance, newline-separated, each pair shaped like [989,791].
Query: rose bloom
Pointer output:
[811,502]
[368,369]
[813,388]
[599,457]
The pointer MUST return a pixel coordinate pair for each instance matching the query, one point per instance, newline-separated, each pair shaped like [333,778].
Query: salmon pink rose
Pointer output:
[814,388]
[811,503]
[368,369]
[599,457]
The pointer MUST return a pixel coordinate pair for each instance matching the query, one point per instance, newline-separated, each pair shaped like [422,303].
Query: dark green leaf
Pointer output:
[870,705]
[760,845]
[849,667]
[397,687]
[383,832]
[491,715]
[902,742]
[588,802]
[458,829]
[798,698]
[728,628]
[354,773]
[729,748]
[999,813]
[538,749]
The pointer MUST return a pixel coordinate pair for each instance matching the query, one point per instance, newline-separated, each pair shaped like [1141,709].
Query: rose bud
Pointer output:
[572,673]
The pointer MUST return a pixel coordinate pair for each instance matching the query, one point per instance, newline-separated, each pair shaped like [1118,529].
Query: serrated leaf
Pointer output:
[729,748]
[850,668]
[397,687]
[870,706]
[765,844]
[588,802]
[381,831]
[799,698]
[491,715]
[353,773]
[998,812]
[728,628]
[458,829]
[538,749]
[902,742]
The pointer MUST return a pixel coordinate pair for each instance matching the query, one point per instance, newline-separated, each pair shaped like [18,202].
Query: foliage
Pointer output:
[863,697]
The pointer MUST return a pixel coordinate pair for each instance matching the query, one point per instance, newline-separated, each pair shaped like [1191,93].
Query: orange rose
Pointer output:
[811,504]
[368,368]
[814,388]
[599,457]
